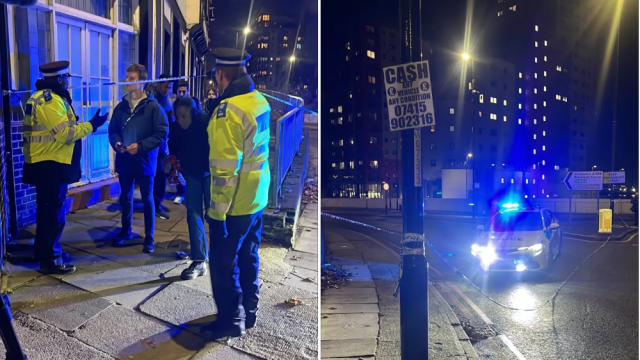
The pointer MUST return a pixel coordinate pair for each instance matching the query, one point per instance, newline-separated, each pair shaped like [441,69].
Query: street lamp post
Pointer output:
[615,108]
[467,57]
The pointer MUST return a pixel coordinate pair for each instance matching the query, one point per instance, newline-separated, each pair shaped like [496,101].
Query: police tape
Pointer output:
[291,104]
[122,83]
[466,278]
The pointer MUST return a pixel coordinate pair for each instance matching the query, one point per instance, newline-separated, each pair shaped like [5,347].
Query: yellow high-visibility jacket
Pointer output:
[50,129]
[239,156]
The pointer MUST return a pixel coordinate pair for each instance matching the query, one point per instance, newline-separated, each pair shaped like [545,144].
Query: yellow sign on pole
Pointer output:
[605,220]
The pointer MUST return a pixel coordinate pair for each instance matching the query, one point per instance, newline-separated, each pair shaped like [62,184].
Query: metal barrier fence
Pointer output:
[288,121]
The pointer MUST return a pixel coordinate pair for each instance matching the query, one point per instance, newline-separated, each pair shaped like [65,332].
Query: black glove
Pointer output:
[98,120]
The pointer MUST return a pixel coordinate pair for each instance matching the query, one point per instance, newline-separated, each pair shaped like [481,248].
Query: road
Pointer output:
[595,315]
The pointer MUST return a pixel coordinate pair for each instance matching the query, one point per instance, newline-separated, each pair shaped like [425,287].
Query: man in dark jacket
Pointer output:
[189,142]
[160,181]
[138,127]
[183,92]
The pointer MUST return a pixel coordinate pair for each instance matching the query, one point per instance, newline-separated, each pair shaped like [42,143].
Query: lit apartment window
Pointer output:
[500,13]
[347,57]
[545,58]
[332,110]
[534,136]
[481,99]
[373,140]
[520,75]
[544,148]
[479,113]
[493,117]
[278,59]
[535,90]
[342,166]
[512,8]
[340,142]
[433,128]
[352,165]
[544,133]
[374,164]
[544,73]
[340,120]
[451,111]
[559,68]
[494,100]
[556,167]
[504,118]
[360,162]
[285,38]
[536,27]
[535,122]
[371,54]
[340,109]
[512,180]
[535,75]
[544,118]
[536,43]
[543,189]
[505,103]
[543,164]
[526,181]
[534,180]
[351,141]
[558,97]
[544,88]
[502,180]
[333,165]
[372,79]
[535,59]
[452,128]
[544,104]
[564,98]
[519,106]
[519,121]
[534,151]
[519,90]
[534,167]
[575,107]
[535,106]
[545,43]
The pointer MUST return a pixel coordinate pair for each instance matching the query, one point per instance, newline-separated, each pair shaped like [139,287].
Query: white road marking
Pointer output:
[511,347]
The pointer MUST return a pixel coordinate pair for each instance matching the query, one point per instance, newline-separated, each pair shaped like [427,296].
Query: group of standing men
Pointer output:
[223,154]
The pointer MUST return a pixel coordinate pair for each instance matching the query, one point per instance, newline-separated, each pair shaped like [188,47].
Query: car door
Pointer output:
[552,234]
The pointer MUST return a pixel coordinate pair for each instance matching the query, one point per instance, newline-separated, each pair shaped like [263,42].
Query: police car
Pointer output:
[519,239]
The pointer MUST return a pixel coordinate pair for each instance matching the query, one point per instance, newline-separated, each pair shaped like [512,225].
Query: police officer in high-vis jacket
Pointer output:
[52,151]
[239,163]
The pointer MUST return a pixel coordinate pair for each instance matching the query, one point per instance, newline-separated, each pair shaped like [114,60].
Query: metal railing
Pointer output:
[287,119]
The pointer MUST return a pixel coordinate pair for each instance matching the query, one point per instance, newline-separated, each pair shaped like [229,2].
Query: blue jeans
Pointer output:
[127,182]
[198,191]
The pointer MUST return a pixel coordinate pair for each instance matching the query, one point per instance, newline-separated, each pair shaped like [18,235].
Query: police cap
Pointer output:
[55,68]
[230,57]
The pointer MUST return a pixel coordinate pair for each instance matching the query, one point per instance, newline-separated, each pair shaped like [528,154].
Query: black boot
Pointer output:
[63,269]
[197,268]
[149,245]
[119,239]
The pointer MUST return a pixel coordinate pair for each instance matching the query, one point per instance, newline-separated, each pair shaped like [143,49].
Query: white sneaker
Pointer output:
[178,200]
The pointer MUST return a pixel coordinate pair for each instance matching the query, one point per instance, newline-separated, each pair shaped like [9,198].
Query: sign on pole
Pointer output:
[417,158]
[409,96]
[614,177]
[583,180]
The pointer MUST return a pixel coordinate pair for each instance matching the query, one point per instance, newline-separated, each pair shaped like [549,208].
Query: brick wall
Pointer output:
[25,194]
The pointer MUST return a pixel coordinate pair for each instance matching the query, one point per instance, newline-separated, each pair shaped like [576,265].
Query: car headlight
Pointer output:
[486,254]
[535,248]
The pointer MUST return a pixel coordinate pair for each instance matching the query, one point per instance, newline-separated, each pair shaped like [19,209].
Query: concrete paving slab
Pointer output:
[339,245]
[202,283]
[348,348]
[348,308]
[345,255]
[273,267]
[57,304]
[307,243]
[123,285]
[217,351]
[349,299]
[178,304]
[283,332]
[303,260]
[41,341]
[348,319]
[167,225]
[350,291]
[20,274]
[127,334]
[360,282]
[302,279]
[349,331]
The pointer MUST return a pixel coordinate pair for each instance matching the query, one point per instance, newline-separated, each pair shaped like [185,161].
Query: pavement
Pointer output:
[124,304]
[362,318]
[594,316]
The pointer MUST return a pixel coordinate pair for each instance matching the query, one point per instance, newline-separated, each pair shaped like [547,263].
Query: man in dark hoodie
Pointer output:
[52,151]
[189,142]
[137,129]
[160,181]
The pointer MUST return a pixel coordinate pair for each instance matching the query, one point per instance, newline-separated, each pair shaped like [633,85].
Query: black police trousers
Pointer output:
[234,265]
[50,220]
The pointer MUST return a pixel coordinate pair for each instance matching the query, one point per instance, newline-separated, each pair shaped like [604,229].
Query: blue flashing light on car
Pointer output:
[511,205]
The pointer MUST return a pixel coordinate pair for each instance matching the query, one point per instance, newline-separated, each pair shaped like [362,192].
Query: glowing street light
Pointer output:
[247,30]
[292,58]
[465,56]
[469,155]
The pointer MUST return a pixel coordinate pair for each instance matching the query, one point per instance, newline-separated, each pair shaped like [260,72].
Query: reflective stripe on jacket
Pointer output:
[239,156]
[50,129]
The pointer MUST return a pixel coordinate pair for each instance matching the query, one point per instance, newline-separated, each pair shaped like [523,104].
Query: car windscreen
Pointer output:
[515,221]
